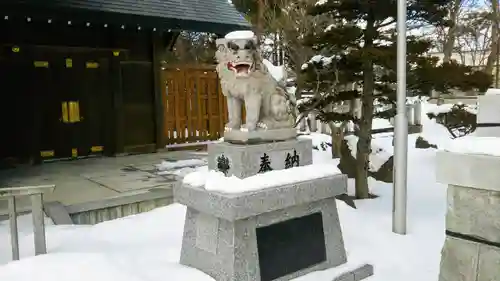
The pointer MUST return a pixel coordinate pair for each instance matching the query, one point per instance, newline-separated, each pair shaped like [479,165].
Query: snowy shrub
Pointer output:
[459,119]
[423,143]
[322,146]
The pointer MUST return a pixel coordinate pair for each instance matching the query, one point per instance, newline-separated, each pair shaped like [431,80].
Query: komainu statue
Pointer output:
[245,79]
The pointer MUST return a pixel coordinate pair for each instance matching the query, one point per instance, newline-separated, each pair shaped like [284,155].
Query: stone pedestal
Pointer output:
[471,251]
[276,233]
[488,105]
[246,160]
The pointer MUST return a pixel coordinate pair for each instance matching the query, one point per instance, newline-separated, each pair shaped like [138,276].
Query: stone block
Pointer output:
[487,112]
[363,272]
[475,171]
[459,260]
[464,260]
[245,160]
[474,212]
[259,136]
[57,212]
[348,276]
[252,234]
[237,206]
[489,263]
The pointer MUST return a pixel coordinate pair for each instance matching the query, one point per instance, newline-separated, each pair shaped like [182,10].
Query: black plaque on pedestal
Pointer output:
[290,246]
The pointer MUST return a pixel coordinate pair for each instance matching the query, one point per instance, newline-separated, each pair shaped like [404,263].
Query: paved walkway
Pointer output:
[93,179]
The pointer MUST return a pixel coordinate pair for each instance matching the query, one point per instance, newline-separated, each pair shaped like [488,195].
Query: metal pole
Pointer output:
[401,128]
[497,69]
[14,235]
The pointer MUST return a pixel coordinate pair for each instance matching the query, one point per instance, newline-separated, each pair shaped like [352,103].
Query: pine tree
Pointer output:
[357,58]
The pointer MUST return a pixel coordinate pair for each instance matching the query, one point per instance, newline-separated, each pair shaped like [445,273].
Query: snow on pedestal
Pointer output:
[471,251]
[488,112]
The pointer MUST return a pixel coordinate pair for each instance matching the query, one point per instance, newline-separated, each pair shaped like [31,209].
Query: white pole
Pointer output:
[401,128]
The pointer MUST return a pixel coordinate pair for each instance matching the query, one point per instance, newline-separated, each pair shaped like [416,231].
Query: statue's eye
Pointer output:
[250,45]
[233,46]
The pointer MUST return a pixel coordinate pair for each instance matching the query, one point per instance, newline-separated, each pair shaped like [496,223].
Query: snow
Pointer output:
[217,181]
[381,123]
[329,28]
[170,165]
[447,107]
[474,145]
[240,34]
[146,247]
[277,72]
[492,91]
[321,2]
[380,151]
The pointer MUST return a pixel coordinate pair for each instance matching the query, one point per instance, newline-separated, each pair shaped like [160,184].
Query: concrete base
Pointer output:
[221,230]
[487,112]
[464,260]
[259,136]
[245,160]
[471,251]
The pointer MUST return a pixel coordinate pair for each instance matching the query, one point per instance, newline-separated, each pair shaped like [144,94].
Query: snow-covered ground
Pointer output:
[146,247]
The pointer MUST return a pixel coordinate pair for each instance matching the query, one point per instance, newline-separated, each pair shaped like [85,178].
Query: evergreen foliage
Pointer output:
[356,57]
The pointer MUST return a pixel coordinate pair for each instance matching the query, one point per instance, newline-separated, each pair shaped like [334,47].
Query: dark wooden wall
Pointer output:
[135,113]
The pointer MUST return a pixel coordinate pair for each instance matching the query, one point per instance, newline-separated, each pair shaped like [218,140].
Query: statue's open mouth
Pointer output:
[240,68]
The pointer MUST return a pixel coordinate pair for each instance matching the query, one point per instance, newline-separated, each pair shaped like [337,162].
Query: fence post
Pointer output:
[14,239]
[312,121]
[38,224]
[409,114]
[417,114]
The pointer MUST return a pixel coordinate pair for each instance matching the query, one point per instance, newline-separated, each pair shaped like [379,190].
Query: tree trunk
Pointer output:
[452,31]
[495,39]
[260,20]
[365,126]
[337,135]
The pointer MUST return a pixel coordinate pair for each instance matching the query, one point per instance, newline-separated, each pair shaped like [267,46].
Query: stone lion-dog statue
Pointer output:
[245,78]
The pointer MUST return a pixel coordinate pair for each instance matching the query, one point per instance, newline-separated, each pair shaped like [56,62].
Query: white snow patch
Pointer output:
[475,145]
[447,107]
[381,123]
[329,28]
[170,165]
[493,91]
[240,34]
[321,2]
[277,72]
[217,181]
[378,156]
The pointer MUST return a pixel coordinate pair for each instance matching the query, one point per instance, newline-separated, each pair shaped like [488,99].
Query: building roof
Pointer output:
[217,16]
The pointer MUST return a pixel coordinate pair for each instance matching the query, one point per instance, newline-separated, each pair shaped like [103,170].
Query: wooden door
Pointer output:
[16,107]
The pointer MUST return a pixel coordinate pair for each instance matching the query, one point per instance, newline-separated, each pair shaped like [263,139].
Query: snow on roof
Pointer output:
[217,181]
[240,34]
[475,145]
[492,91]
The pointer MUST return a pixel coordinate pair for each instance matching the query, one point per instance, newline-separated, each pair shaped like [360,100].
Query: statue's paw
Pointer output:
[249,127]
[231,126]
